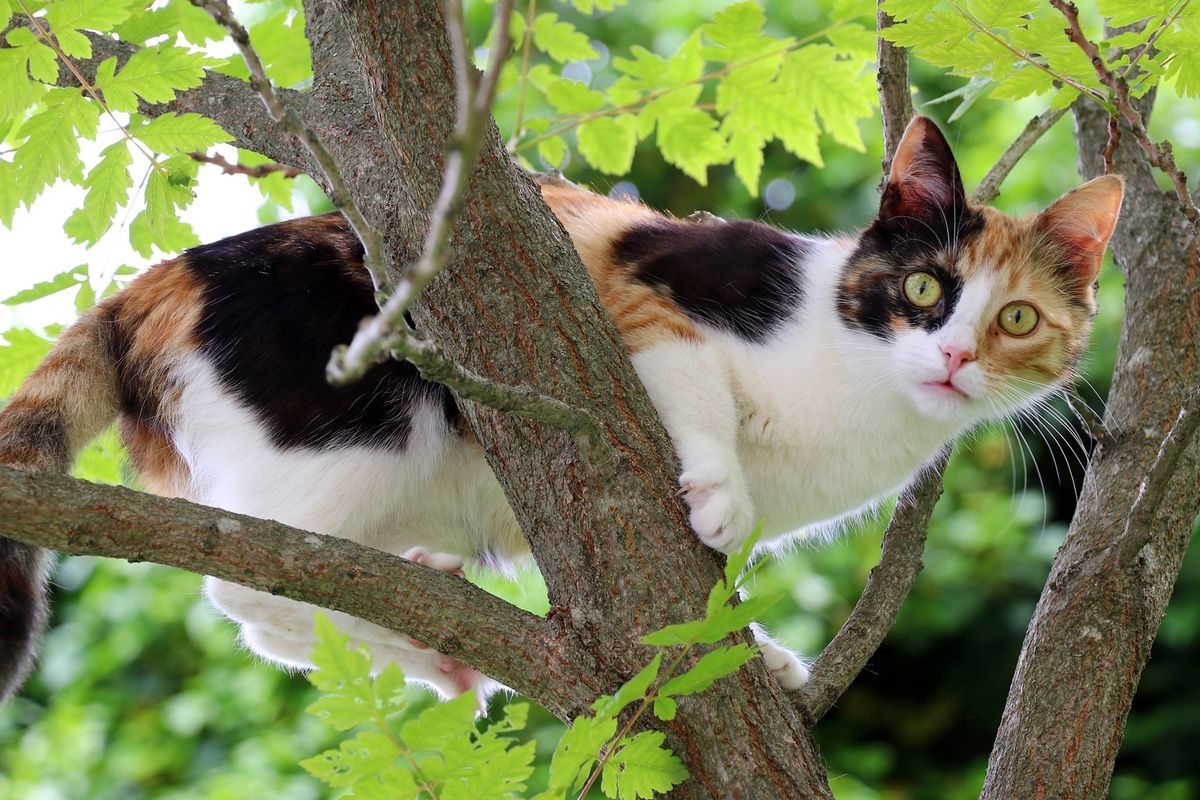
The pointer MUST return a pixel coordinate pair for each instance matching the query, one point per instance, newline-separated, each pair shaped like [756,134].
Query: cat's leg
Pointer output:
[690,386]
[281,630]
[788,668]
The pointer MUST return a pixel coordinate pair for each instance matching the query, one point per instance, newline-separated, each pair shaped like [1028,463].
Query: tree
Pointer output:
[594,489]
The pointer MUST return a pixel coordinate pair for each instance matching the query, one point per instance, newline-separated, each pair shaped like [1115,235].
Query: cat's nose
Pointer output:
[955,358]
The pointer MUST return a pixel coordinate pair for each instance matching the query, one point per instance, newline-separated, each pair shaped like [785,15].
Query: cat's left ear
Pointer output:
[924,183]
[1082,221]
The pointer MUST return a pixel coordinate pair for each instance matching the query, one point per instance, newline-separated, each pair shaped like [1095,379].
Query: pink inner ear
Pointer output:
[1082,221]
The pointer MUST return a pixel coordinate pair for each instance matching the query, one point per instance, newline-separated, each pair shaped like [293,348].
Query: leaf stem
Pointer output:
[526,46]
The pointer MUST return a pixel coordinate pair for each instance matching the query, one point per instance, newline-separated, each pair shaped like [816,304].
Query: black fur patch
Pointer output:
[871,290]
[277,300]
[742,276]
[22,609]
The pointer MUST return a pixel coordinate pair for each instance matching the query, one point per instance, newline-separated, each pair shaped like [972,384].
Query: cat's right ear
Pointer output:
[924,183]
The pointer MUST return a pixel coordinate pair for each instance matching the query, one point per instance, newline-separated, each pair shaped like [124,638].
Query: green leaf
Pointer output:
[281,44]
[22,350]
[51,147]
[711,667]
[577,750]
[10,195]
[688,139]
[101,461]
[552,150]
[1126,12]
[17,92]
[731,619]
[665,708]
[173,133]
[342,675]
[68,17]
[642,768]
[108,186]
[362,757]
[608,143]
[60,282]
[154,74]
[40,59]
[394,783]
[441,723]
[572,97]
[631,691]
[176,16]
[560,40]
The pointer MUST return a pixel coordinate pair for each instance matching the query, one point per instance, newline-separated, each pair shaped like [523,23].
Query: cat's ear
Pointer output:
[1082,221]
[924,183]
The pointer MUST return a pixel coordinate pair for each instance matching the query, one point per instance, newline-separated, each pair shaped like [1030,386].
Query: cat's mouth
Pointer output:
[946,388]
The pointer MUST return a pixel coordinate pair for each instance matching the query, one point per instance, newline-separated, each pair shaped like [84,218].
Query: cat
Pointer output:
[801,380]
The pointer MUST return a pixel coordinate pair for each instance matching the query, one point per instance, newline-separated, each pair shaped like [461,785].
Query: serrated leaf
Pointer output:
[21,350]
[688,139]
[665,708]
[280,42]
[10,196]
[440,723]
[40,59]
[572,97]
[357,759]
[51,147]
[176,16]
[154,74]
[577,750]
[108,186]
[680,633]
[1126,12]
[560,40]
[731,619]
[342,675]
[631,691]
[394,783]
[552,150]
[173,133]
[68,18]
[711,667]
[60,282]
[608,143]
[642,768]
[17,91]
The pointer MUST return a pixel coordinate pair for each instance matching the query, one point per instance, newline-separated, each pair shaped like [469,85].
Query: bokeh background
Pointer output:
[142,691]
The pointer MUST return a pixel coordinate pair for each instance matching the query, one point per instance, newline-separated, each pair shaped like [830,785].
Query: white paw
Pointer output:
[452,565]
[722,514]
[787,667]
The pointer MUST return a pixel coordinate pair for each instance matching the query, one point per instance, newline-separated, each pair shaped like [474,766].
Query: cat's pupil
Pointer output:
[1017,316]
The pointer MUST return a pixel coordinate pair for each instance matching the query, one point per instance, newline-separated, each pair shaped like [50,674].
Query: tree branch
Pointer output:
[895,92]
[989,188]
[260,171]
[290,121]
[518,648]
[1159,154]
[887,587]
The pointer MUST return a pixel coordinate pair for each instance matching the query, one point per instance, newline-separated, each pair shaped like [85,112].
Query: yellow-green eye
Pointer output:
[1018,319]
[922,289]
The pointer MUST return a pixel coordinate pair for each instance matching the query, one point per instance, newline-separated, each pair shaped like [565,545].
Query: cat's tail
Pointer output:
[67,401]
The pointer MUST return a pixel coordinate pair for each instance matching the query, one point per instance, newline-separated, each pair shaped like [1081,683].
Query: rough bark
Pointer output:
[1095,622]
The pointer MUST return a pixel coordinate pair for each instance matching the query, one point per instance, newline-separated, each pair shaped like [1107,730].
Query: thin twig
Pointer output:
[1089,418]
[887,587]
[989,188]
[260,171]
[1140,526]
[291,122]
[526,49]
[519,400]
[1159,154]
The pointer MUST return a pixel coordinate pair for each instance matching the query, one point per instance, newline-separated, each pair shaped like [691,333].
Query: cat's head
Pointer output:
[971,313]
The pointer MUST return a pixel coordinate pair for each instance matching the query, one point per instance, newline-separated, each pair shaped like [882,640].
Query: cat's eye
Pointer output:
[1018,319]
[922,289]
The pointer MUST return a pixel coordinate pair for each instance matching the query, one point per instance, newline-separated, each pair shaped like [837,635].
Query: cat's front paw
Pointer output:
[722,514]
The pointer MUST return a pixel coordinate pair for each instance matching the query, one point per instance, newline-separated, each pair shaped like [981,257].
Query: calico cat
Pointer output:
[801,379]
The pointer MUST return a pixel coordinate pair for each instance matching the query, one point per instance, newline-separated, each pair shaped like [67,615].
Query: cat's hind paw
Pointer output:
[450,564]
[787,667]
[722,514]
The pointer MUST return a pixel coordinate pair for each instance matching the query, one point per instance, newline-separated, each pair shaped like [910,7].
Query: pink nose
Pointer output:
[955,358]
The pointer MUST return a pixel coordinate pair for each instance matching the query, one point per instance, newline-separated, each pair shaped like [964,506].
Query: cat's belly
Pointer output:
[436,491]
[795,487]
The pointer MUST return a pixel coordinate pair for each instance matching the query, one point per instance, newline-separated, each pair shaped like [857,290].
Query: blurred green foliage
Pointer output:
[142,691]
